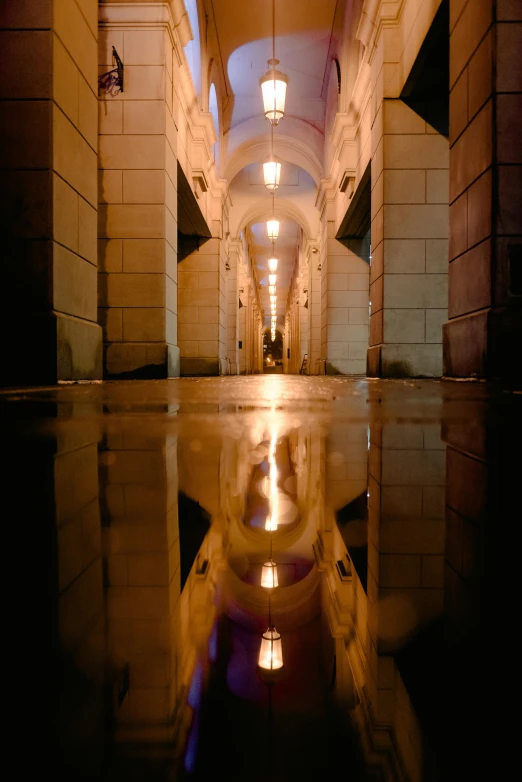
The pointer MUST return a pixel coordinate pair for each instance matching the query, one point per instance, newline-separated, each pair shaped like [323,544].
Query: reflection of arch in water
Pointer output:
[268,499]
[291,607]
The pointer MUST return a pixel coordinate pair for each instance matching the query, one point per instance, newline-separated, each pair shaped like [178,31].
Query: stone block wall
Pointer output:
[137,224]
[344,289]
[203,310]
[485,295]
[409,240]
[48,141]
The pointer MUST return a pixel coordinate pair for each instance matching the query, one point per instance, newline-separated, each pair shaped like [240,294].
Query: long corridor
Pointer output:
[173,532]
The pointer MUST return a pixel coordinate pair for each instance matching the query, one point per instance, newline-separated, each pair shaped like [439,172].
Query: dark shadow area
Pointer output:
[194,523]
[427,87]
[352,521]
[354,231]
[272,353]
[193,230]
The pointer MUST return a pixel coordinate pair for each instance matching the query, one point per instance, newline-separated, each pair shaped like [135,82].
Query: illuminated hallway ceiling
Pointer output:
[297,190]
[305,38]
[303,30]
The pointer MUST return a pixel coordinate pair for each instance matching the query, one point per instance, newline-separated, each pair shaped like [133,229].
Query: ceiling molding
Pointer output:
[289,149]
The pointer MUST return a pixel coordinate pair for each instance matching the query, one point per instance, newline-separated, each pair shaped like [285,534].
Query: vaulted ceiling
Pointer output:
[305,37]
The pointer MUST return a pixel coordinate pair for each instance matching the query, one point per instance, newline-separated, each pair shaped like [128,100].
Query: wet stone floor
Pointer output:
[260,578]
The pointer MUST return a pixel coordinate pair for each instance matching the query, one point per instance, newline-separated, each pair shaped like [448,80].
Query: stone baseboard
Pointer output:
[47,348]
[408,360]
[199,367]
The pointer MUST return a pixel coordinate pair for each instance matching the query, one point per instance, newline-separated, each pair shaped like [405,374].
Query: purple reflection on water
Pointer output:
[195,692]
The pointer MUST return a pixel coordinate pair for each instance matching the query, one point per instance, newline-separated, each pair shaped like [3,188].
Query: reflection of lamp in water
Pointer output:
[271,651]
[269,579]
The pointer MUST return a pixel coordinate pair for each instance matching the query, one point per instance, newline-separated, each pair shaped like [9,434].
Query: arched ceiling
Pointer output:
[305,38]
[297,190]
[303,35]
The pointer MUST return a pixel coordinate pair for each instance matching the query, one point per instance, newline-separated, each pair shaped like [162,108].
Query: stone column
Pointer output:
[314,309]
[304,321]
[142,551]
[483,334]
[242,319]
[344,291]
[232,307]
[52,481]
[409,241]
[203,310]
[138,193]
[48,146]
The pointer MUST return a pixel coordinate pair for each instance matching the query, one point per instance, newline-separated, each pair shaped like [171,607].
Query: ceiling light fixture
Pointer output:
[269,577]
[273,87]
[272,264]
[272,279]
[272,172]
[273,84]
[272,289]
[272,227]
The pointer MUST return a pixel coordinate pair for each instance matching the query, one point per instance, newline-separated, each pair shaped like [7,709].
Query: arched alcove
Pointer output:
[193,47]
[213,107]
[332,104]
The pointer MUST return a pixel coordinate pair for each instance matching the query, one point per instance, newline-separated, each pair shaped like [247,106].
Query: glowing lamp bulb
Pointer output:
[273,88]
[271,651]
[269,579]
[272,173]
[272,227]
[272,264]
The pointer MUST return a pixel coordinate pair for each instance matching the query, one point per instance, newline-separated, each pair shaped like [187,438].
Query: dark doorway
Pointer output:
[272,353]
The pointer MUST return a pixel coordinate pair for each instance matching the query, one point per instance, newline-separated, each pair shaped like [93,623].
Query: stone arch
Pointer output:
[193,47]
[215,108]
[286,147]
[261,210]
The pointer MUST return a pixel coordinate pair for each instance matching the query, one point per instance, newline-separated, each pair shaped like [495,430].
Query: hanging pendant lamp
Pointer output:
[272,228]
[272,172]
[272,264]
[269,579]
[273,87]
[271,651]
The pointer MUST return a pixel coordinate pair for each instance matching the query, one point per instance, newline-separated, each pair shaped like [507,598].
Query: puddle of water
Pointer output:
[154,518]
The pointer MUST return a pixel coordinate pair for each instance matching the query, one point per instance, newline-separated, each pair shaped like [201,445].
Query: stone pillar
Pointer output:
[48,147]
[304,320]
[141,547]
[344,303]
[242,319]
[232,307]
[484,330]
[138,193]
[409,244]
[203,310]
[314,309]
[52,481]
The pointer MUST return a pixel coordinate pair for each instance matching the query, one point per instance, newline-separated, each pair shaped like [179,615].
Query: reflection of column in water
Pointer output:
[51,485]
[155,627]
